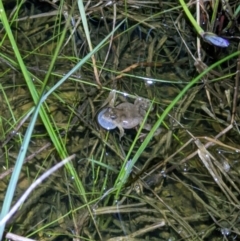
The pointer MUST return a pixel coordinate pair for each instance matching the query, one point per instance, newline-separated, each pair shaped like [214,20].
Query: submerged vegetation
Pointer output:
[60,63]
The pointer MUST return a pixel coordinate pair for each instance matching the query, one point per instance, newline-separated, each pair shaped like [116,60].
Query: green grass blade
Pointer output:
[17,169]
[119,183]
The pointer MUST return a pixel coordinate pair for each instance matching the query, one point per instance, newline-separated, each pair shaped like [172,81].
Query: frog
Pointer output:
[125,115]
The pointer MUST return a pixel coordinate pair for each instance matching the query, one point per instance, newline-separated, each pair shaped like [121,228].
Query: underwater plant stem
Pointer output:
[207,36]
[191,18]
[214,15]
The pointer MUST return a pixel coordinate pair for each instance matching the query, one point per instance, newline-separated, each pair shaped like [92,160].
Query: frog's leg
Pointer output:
[112,98]
[121,130]
[148,127]
[110,101]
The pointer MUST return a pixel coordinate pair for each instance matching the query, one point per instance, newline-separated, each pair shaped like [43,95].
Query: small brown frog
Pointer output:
[125,115]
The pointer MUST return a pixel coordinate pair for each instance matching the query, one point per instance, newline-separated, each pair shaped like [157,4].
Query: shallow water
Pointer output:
[177,189]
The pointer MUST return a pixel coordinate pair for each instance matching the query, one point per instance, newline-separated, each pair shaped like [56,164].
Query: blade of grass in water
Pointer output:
[120,181]
[61,150]
[34,185]
[17,169]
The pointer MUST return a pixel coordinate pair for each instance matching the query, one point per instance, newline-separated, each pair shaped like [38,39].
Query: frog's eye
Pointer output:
[112,113]
[113,117]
